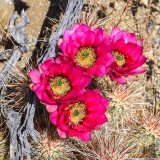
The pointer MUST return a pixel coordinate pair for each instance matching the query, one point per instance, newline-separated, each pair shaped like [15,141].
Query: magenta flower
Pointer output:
[85,113]
[57,83]
[90,49]
[128,55]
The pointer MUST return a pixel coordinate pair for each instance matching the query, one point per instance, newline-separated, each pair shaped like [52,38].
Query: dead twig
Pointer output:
[129,3]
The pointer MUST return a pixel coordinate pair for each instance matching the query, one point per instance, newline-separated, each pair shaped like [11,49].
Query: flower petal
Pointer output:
[115,30]
[102,119]
[51,108]
[67,34]
[132,38]
[62,121]
[122,35]
[116,78]
[35,86]
[60,40]
[54,117]
[88,39]
[84,28]
[99,36]
[90,121]
[81,128]
[35,76]
[137,71]
[140,43]
[46,65]
[75,26]
[73,93]
[40,92]
[84,136]
[100,71]
[61,133]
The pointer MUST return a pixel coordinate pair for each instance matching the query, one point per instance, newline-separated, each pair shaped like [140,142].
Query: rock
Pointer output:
[157,19]
[144,2]
[9,2]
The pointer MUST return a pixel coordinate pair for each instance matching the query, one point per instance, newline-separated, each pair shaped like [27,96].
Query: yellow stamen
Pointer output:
[77,113]
[85,57]
[119,58]
[59,86]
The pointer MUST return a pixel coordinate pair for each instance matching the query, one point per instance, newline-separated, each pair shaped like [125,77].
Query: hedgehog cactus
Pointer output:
[107,145]
[152,126]
[124,95]
[50,147]
[125,103]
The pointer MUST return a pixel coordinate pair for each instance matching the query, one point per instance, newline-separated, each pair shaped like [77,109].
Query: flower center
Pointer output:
[85,54]
[59,82]
[59,86]
[85,57]
[77,113]
[119,58]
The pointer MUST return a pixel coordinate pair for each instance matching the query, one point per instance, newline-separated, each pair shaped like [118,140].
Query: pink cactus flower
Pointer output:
[78,118]
[89,49]
[57,83]
[127,51]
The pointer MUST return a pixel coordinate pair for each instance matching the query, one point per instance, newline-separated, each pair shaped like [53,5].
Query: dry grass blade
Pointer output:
[90,17]
[129,3]
[17,88]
